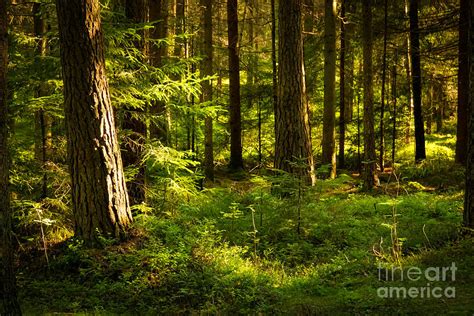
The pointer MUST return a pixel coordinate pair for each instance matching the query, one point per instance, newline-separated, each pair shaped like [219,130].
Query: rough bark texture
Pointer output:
[236,161]
[7,274]
[370,176]
[420,152]
[179,48]
[469,193]
[206,70]
[382,103]
[329,115]
[274,61]
[137,12]
[408,68]
[293,140]
[463,84]
[99,194]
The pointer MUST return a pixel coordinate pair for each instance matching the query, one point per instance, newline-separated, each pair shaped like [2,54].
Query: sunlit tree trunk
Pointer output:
[99,195]
[408,68]
[463,83]
[329,115]
[420,152]
[342,87]
[382,103]
[236,161]
[293,137]
[7,274]
[369,172]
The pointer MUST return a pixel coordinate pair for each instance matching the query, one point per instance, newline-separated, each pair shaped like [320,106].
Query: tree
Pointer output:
[236,161]
[370,176]
[206,70]
[463,83]
[329,116]
[137,12]
[469,192]
[382,104]
[342,92]
[8,283]
[99,195]
[420,152]
[292,130]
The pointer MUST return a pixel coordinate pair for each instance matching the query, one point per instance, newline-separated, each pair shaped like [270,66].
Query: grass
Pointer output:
[236,249]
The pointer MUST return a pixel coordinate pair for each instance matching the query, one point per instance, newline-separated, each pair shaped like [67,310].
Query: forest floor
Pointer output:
[238,248]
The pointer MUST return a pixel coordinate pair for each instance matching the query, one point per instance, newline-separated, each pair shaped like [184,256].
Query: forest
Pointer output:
[237,157]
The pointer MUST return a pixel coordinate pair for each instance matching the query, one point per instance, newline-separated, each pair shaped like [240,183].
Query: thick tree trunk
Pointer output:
[329,115]
[236,161]
[370,176]
[7,274]
[206,70]
[99,194]
[293,151]
[463,83]
[420,152]
[137,12]
[469,193]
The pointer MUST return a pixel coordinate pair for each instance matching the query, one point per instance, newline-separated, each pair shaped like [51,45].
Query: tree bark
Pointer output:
[293,150]
[370,176]
[99,194]
[420,152]
[236,161]
[409,71]
[8,280]
[382,103]
[137,12]
[206,70]
[274,61]
[342,83]
[463,83]
[329,115]
[469,192]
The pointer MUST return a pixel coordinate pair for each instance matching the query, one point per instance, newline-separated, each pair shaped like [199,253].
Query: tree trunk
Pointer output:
[408,67]
[342,83]
[137,12]
[8,281]
[159,52]
[206,70]
[469,193]
[43,122]
[329,115]
[274,62]
[370,176]
[382,103]
[236,161]
[394,117]
[293,151]
[99,194]
[179,48]
[420,152]
[463,84]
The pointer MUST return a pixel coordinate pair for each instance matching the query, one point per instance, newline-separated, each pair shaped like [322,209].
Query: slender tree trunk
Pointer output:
[342,83]
[349,29]
[274,61]
[430,112]
[463,83]
[438,92]
[180,44]
[420,152]
[394,117]
[8,281]
[159,53]
[469,192]
[384,71]
[99,194]
[329,115]
[370,175]
[43,122]
[236,161]
[137,12]
[408,67]
[293,136]
[206,70]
